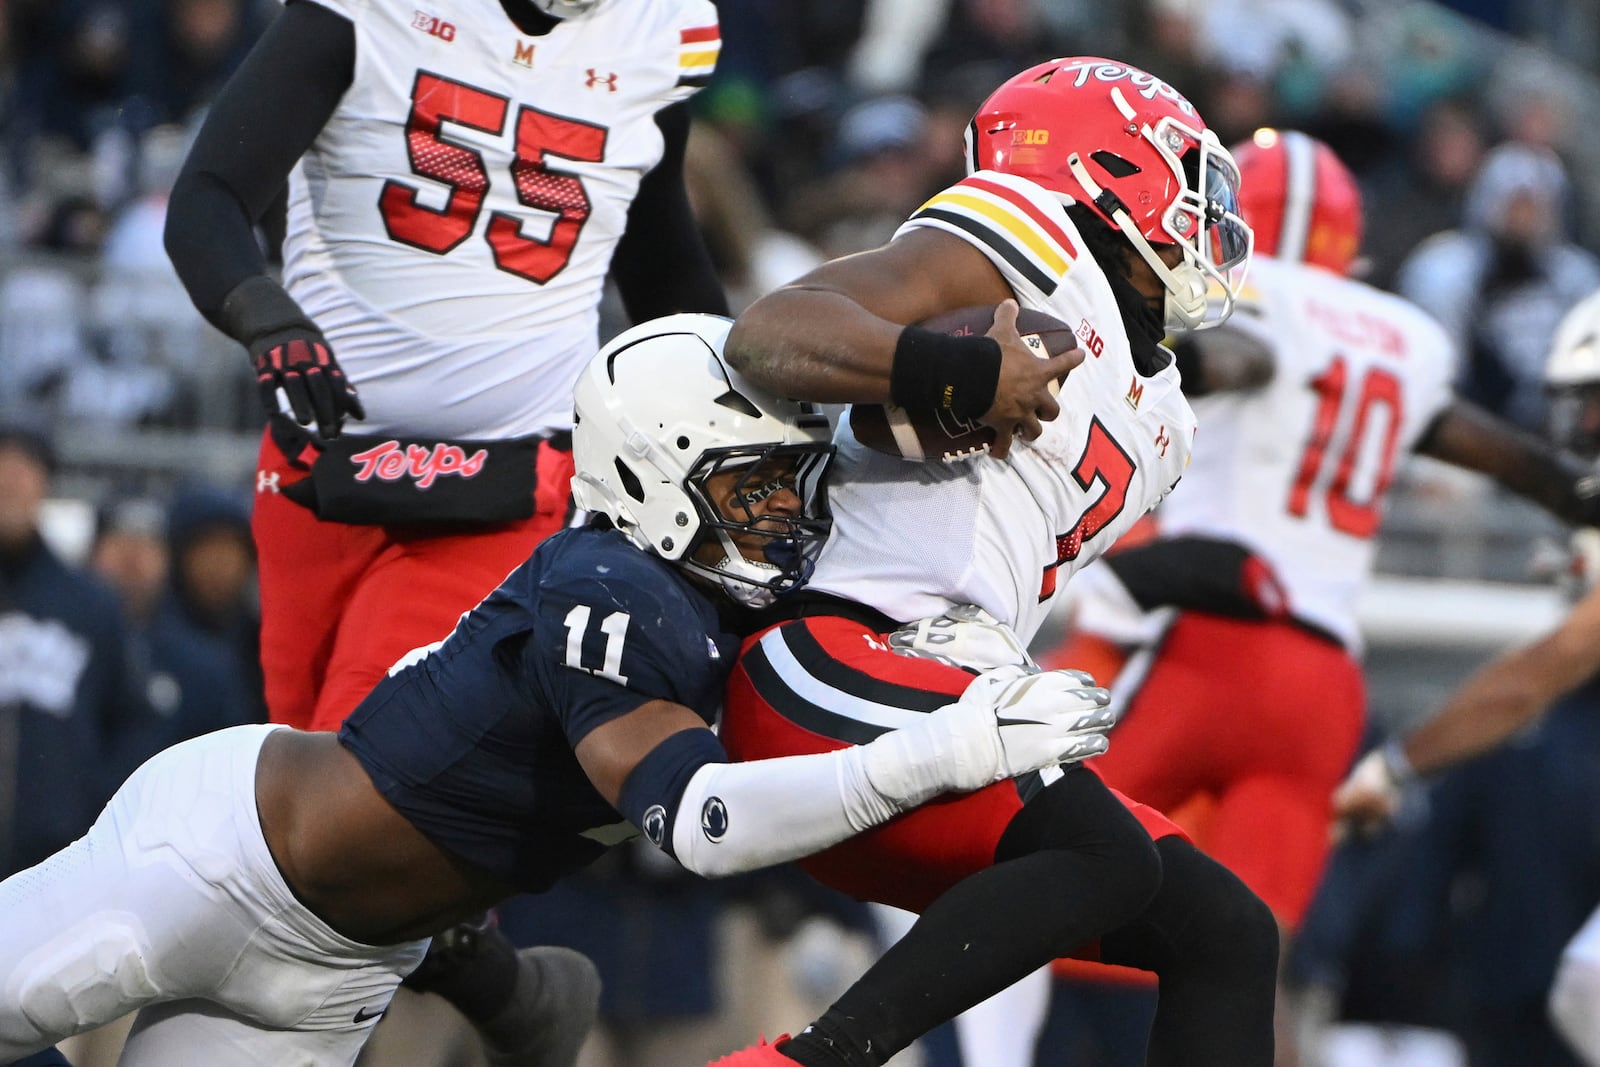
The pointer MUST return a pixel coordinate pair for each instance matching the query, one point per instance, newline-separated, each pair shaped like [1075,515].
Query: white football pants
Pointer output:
[172,904]
[1575,993]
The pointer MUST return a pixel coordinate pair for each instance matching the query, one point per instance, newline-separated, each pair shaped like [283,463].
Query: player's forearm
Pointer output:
[739,817]
[1223,359]
[1469,437]
[211,242]
[814,343]
[1510,692]
[1494,704]
[733,817]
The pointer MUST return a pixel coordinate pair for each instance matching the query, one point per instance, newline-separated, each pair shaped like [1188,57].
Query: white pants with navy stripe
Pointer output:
[171,904]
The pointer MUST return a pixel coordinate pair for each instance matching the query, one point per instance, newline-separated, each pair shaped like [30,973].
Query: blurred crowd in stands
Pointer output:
[829,121]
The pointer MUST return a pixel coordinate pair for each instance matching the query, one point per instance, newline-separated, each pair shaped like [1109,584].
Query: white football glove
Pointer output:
[1370,795]
[1586,557]
[965,636]
[1009,721]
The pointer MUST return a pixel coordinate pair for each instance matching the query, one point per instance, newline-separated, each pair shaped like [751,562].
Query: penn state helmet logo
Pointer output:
[714,819]
[655,825]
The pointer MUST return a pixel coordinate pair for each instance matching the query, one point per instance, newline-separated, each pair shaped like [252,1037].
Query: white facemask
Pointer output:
[566,9]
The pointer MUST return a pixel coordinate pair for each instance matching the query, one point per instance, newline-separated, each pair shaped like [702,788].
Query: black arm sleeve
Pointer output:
[661,265]
[259,126]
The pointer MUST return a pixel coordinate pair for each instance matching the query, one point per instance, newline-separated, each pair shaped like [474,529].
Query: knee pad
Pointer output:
[84,978]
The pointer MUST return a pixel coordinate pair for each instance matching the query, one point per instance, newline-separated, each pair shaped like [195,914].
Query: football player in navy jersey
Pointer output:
[258,893]
[462,180]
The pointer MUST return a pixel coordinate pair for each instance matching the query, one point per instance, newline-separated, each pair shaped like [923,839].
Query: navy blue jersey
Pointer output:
[473,743]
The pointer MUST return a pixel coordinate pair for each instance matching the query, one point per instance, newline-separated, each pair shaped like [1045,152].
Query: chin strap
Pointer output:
[1186,284]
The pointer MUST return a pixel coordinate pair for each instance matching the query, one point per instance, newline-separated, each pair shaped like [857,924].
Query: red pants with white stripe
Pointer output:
[341,603]
[819,684]
[1249,724]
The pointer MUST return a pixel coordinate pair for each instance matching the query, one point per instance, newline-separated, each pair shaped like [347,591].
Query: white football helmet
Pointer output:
[1572,379]
[657,414]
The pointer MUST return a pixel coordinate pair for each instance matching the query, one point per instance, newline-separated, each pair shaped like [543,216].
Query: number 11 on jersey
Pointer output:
[615,628]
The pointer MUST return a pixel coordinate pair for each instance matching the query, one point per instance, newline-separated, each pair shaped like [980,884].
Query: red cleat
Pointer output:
[760,1054]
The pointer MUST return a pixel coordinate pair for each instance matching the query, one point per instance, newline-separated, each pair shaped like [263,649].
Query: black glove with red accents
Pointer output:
[299,362]
[290,353]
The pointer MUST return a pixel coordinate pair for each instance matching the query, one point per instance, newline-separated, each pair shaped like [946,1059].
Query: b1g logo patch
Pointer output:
[433,26]
[714,819]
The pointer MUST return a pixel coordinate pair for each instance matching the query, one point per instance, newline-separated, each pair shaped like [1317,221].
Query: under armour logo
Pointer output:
[1162,441]
[266,481]
[594,80]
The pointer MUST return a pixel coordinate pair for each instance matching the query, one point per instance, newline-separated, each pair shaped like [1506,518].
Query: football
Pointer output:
[936,434]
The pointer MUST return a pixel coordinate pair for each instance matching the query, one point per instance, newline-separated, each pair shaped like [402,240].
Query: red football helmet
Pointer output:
[1128,145]
[1302,203]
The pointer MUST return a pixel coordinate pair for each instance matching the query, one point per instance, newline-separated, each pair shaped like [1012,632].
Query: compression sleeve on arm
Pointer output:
[718,818]
[661,265]
[261,123]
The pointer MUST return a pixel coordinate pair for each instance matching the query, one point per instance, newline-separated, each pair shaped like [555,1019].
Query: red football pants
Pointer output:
[340,603]
[1261,719]
[845,679]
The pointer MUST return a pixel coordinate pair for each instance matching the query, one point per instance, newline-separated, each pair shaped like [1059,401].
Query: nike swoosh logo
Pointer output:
[368,1013]
[1002,721]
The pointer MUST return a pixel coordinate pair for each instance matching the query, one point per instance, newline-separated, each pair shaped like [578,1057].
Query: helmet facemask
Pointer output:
[566,9]
[1573,418]
[1203,220]
[1572,380]
[779,551]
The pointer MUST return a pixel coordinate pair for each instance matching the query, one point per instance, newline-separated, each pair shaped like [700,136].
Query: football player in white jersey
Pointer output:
[461,179]
[1096,194]
[1310,396]
[1516,688]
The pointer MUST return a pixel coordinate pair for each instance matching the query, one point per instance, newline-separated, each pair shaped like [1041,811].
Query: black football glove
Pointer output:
[299,361]
[289,353]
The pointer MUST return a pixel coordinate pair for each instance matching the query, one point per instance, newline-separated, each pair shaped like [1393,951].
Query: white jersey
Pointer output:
[914,540]
[1298,469]
[451,227]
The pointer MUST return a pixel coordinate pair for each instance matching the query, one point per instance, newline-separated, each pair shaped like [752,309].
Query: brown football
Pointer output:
[935,434]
